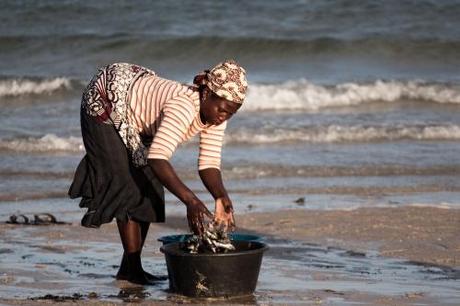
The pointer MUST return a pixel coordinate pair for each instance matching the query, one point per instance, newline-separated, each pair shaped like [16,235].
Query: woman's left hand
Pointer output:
[223,214]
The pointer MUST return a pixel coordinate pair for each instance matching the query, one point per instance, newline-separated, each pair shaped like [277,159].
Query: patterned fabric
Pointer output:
[227,80]
[106,99]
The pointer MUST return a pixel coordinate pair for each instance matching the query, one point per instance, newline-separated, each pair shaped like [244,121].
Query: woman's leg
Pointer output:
[144,230]
[127,232]
[132,244]
[132,236]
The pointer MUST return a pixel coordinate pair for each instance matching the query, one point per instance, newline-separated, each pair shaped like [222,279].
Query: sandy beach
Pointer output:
[367,256]
[344,158]
[421,234]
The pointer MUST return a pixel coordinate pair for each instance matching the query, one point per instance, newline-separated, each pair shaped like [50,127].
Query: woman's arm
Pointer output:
[178,114]
[212,179]
[196,210]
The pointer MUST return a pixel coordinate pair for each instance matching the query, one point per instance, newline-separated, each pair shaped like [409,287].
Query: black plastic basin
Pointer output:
[214,275]
[182,238]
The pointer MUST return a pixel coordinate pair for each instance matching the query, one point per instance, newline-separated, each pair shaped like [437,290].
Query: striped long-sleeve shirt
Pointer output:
[170,113]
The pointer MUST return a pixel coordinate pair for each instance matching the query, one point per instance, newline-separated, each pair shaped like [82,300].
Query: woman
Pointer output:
[132,121]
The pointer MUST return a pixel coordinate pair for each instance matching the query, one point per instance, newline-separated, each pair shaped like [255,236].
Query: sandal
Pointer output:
[46,219]
[19,219]
[39,219]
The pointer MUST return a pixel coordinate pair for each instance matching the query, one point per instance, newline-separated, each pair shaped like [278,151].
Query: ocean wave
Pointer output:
[267,47]
[338,133]
[304,95]
[46,143]
[255,170]
[300,95]
[312,134]
[14,87]
[260,170]
[44,174]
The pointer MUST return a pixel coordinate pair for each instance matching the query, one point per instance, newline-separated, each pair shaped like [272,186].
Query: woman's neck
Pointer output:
[201,95]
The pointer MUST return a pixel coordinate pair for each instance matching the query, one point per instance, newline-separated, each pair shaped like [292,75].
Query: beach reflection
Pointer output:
[291,271]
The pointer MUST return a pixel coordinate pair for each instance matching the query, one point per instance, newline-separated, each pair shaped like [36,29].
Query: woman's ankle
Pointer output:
[133,261]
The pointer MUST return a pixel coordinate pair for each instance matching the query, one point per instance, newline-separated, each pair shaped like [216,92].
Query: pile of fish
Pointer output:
[214,239]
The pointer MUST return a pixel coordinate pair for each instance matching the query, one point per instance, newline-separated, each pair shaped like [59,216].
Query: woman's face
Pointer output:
[215,110]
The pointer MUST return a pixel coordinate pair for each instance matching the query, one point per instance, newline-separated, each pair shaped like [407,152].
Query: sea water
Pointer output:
[350,103]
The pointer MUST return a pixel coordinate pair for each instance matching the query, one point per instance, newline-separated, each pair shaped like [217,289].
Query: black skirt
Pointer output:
[108,183]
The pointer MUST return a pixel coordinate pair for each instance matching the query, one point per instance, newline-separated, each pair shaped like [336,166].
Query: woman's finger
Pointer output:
[232,226]
[221,224]
[196,228]
[190,223]
[207,212]
[232,223]
[228,208]
[200,228]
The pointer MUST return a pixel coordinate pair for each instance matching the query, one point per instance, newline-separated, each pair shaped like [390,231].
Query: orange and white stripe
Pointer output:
[169,112]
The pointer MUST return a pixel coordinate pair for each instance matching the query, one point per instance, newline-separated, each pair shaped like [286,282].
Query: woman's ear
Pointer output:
[206,93]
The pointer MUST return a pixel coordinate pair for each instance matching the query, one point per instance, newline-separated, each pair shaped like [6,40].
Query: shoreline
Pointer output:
[329,257]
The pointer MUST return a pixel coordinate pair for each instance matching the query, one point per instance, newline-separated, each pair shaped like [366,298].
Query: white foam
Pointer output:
[19,87]
[303,95]
[326,134]
[47,143]
[337,133]
[441,205]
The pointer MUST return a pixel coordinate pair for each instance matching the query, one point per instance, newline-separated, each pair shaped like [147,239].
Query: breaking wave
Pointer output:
[300,95]
[15,87]
[303,95]
[47,143]
[313,134]
[337,133]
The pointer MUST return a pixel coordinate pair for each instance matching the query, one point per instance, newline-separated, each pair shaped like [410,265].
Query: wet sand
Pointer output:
[421,234]
[367,256]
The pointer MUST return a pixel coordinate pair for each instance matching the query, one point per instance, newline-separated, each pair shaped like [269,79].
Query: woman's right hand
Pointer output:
[196,212]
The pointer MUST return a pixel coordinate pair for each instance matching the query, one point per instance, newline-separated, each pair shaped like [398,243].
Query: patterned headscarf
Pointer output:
[226,79]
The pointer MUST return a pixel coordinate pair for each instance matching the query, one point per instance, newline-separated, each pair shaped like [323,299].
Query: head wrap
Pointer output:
[226,79]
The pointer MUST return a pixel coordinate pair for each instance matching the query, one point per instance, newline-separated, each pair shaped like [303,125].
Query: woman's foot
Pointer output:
[146,276]
[140,280]
[155,278]
[131,270]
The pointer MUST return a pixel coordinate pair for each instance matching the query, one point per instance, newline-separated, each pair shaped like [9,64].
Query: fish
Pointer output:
[214,239]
